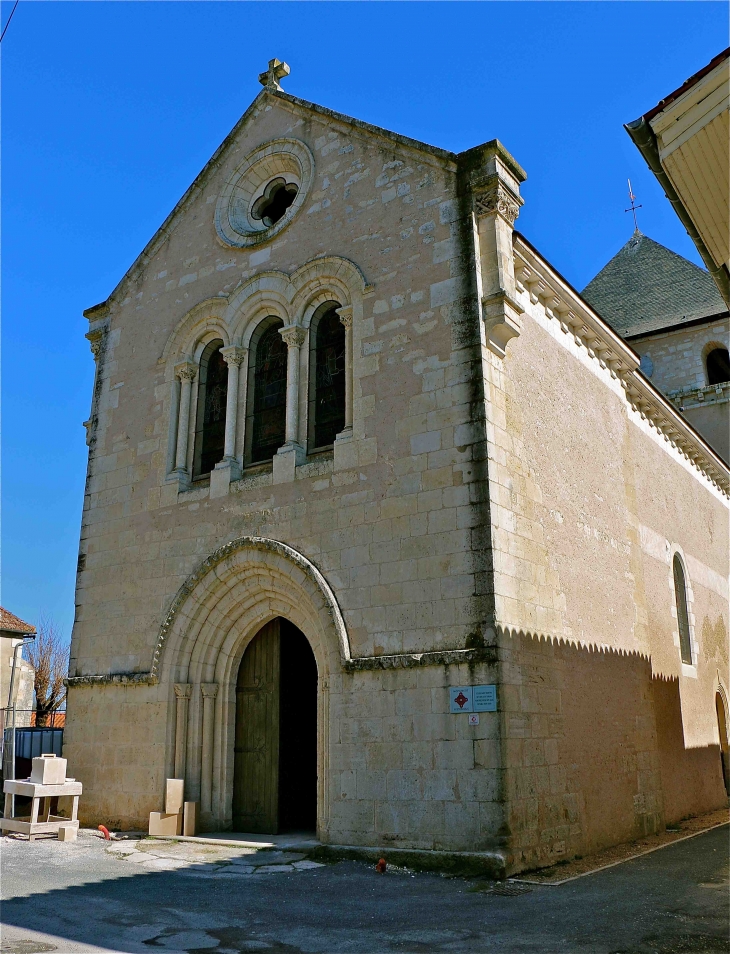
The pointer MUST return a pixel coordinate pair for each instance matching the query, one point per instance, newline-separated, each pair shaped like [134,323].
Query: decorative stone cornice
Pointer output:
[685,398]
[492,196]
[234,356]
[293,335]
[447,657]
[186,370]
[563,304]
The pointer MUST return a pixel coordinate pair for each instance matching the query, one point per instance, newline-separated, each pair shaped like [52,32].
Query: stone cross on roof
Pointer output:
[277,70]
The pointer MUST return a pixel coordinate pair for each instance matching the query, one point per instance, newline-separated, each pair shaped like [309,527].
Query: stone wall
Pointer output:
[606,734]
[675,362]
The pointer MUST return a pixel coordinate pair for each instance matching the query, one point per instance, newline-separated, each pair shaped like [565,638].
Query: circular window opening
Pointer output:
[276,199]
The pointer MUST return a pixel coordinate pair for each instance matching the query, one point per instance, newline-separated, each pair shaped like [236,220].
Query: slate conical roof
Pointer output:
[646,287]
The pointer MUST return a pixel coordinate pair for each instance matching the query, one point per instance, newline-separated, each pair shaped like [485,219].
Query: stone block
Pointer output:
[48,770]
[67,833]
[190,818]
[174,795]
[163,823]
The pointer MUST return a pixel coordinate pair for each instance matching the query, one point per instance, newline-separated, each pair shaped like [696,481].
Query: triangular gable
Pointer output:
[439,156]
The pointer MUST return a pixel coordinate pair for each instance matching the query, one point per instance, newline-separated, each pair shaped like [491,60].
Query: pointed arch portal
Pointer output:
[248,646]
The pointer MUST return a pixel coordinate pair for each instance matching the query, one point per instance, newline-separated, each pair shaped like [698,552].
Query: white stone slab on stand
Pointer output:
[47,824]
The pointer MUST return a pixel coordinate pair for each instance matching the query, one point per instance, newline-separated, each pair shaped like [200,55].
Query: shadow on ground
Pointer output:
[673,901]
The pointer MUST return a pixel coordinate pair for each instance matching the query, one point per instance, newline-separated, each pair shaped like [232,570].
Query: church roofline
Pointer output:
[562,302]
[677,326]
[452,159]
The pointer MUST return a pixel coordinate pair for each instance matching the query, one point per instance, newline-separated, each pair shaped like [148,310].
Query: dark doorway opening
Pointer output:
[275,770]
[297,732]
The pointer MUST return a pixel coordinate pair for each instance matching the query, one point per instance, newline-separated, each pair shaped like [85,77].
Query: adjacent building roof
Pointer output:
[646,287]
[684,140]
[11,625]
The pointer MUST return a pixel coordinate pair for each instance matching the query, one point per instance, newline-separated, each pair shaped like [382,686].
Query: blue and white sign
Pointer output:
[484,698]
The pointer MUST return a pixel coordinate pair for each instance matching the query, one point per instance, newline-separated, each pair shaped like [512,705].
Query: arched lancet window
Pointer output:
[718,366]
[680,596]
[326,376]
[266,417]
[210,420]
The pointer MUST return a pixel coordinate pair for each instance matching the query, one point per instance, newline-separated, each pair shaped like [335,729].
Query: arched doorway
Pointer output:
[722,730]
[275,764]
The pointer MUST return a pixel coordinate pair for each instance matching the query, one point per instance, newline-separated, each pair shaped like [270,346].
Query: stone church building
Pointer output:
[355,449]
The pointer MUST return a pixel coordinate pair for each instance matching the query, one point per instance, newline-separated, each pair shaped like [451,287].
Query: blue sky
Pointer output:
[109,110]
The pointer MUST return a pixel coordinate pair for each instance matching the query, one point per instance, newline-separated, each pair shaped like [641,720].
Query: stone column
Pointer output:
[229,468]
[234,358]
[345,313]
[183,691]
[496,189]
[186,371]
[292,452]
[210,691]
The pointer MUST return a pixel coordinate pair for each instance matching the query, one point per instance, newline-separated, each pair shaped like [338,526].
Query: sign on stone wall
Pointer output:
[473,698]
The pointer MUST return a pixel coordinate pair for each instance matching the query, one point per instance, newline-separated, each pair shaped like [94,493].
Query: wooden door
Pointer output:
[256,766]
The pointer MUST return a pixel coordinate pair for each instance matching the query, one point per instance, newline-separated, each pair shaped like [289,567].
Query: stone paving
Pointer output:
[208,861]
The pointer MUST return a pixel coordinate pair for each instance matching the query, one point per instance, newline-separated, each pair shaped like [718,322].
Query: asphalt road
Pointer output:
[78,897]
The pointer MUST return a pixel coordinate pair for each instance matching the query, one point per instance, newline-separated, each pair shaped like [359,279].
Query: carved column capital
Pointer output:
[183,690]
[492,196]
[293,335]
[234,356]
[345,315]
[209,689]
[186,370]
[96,341]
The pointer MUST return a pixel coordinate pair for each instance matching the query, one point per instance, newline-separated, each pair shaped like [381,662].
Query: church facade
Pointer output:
[355,449]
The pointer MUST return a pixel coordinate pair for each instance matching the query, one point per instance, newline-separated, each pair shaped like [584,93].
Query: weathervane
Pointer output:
[633,207]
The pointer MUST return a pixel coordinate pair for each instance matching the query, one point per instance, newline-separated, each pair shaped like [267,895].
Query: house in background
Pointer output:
[13,631]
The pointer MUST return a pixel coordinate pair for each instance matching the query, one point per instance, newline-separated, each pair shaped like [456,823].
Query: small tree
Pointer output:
[48,654]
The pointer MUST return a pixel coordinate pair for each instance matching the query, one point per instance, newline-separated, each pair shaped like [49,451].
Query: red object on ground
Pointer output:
[381,866]
[105,831]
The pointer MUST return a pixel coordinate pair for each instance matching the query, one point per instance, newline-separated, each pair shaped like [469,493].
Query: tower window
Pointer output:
[718,366]
[210,421]
[680,596]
